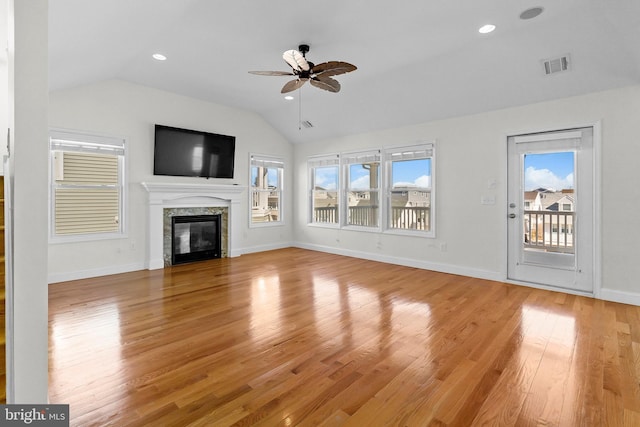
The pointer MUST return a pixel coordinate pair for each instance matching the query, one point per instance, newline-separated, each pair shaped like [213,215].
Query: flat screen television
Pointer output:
[184,152]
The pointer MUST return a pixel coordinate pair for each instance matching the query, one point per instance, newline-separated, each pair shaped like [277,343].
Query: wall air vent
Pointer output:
[557,65]
[307,124]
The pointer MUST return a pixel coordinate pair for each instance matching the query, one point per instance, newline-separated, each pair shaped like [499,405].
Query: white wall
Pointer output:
[130,111]
[4,81]
[471,151]
[27,262]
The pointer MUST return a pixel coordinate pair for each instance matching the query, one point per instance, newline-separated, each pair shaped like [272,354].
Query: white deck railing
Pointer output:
[404,218]
[549,231]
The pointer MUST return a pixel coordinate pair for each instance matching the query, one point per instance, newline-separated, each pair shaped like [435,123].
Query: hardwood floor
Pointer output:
[295,337]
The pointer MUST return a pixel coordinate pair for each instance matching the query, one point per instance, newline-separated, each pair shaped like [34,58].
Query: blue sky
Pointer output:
[416,173]
[412,173]
[359,177]
[553,171]
[409,173]
[272,176]
[327,177]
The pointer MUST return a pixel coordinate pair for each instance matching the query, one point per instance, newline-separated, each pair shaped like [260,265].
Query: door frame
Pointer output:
[596,254]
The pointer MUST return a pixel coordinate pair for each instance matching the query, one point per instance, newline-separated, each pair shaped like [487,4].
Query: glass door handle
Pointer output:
[512,215]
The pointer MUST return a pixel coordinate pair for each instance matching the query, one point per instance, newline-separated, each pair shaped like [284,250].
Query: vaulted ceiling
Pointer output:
[417,60]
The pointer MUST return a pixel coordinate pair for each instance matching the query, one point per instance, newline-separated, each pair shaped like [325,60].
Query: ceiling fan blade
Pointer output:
[326,83]
[333,68]
[293,85]
[296,60]
[272,73]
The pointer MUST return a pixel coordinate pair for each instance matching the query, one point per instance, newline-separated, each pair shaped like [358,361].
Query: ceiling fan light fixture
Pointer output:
[319,75]
[159,57]
[531,13]
[289,98]
[486,29]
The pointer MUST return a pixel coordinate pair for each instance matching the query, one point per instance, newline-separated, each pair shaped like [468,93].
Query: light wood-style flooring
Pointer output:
[296,337]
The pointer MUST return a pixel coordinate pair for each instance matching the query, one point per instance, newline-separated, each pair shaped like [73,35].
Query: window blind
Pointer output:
[84,168]
[410,153]
[87,197]
[362,157]
[79,211]
[66,141]
[267,162]
[322,161]
[87,183]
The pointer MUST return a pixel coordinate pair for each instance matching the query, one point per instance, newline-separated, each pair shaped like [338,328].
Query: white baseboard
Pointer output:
[87,274]
[156,264]
[548,288]
[264,248]
[613,295]
[425,265]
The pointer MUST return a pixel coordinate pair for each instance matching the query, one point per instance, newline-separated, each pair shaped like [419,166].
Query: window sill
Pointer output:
[324,225]
[413,233]
[55,240]
[362,228]
[267,224]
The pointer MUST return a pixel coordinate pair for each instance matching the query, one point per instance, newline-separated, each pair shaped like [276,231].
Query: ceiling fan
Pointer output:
[318,75]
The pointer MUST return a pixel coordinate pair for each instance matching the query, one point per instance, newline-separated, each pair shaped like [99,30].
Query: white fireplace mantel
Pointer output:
[177,195]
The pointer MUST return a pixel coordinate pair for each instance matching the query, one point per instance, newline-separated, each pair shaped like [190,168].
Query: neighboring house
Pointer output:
[563,202]
[410,208]
[324,198]
[410,197]
[325,205]
[557,201]
[265,206]
[548,222]
[260,210]
[358,198]
[532,201]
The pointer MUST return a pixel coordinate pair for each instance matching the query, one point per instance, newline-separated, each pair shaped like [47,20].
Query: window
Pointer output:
[362,173]
[566,206]
[324,172]
[401,203]
[87,185]
[410,192]
[266,190]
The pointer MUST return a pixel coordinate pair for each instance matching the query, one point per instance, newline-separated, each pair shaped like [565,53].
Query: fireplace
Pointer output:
[195,238]
[176,199]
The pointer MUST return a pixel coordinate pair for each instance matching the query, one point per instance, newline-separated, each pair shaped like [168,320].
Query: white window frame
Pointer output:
[270,162]
[79,141]
[317,162]
[425,150]
[355,158]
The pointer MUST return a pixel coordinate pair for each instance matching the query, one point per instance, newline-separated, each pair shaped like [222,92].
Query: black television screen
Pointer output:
[183,152]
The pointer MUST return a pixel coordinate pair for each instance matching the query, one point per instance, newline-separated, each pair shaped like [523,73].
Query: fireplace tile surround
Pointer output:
[169,213]
[168,199]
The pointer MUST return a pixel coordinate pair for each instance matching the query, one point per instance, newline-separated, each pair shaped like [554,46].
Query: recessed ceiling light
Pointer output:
[159,57]
[485,29]
[531,12]
[288,97]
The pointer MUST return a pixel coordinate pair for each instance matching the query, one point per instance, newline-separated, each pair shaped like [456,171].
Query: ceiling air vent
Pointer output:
[307,124]
[556,65]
